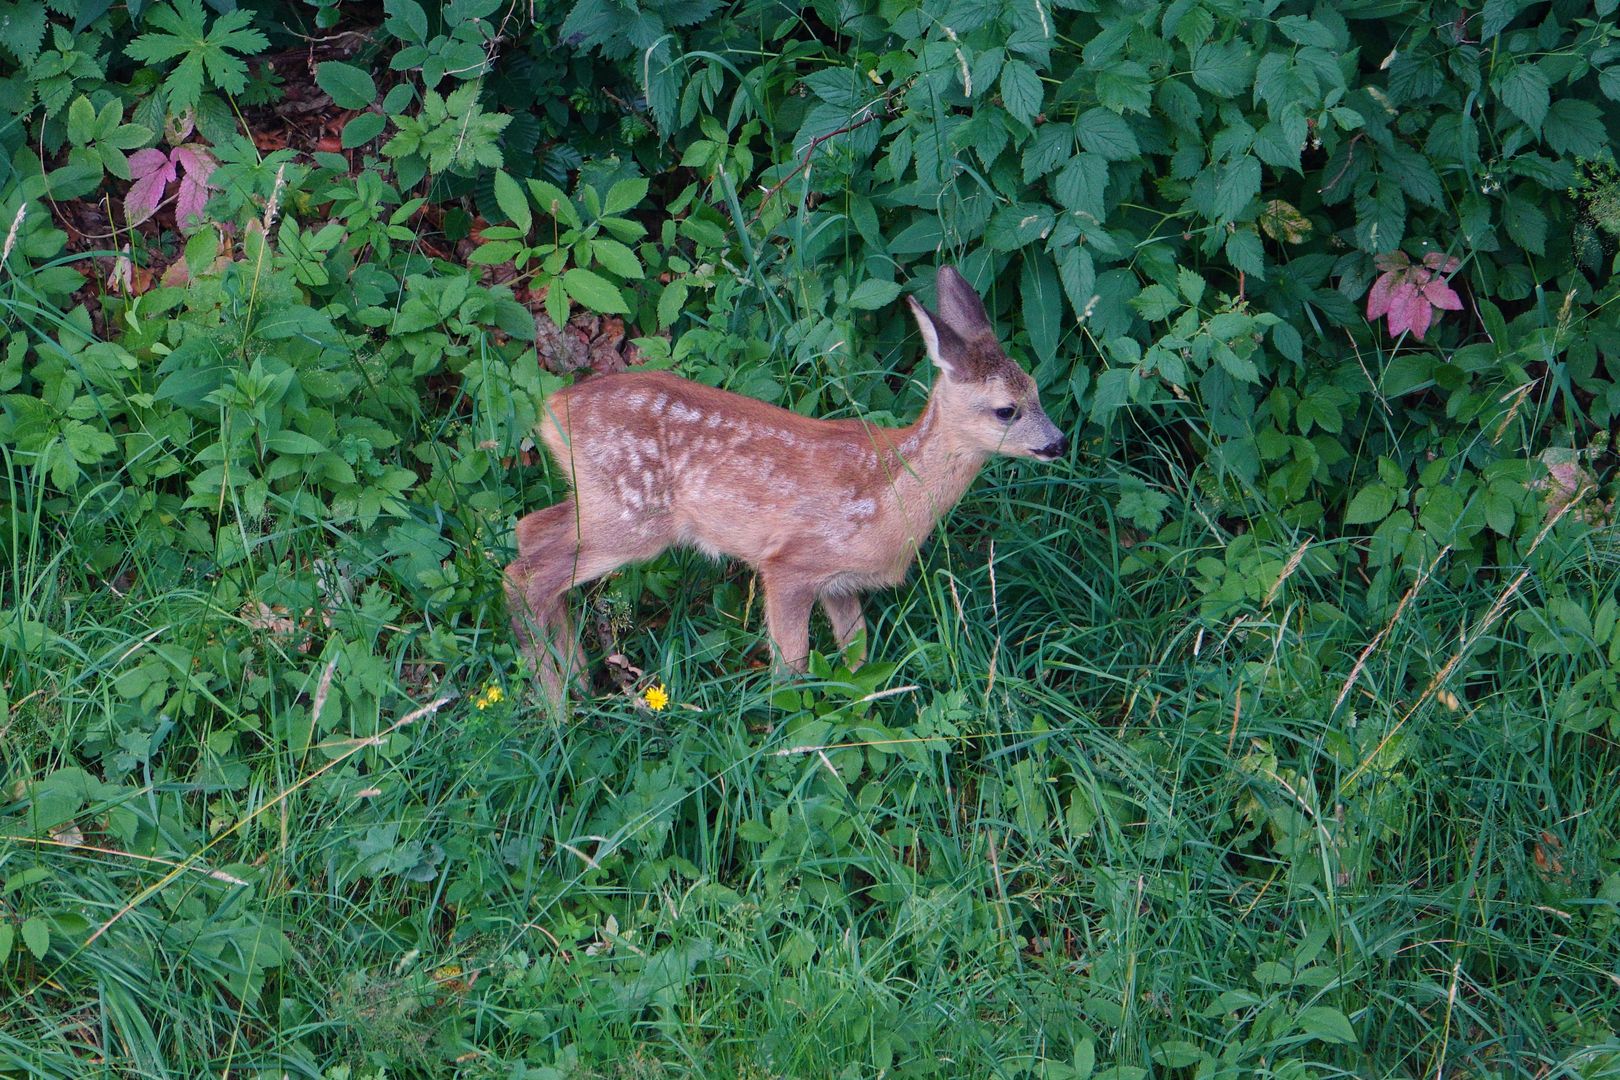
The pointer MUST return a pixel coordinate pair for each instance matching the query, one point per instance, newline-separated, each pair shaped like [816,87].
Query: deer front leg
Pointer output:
[843,611]
[787,617]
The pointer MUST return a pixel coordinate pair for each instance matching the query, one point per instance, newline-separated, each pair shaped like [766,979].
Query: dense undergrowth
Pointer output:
[1271,733]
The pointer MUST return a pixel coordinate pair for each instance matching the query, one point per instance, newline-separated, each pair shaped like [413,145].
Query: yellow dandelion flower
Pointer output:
[494,694]
[482,704]
[656,697]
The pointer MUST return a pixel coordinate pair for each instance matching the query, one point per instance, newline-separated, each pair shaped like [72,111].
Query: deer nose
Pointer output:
[1054,449]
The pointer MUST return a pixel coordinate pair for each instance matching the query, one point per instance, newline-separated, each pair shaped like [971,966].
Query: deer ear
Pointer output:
[960,308]
[941,343]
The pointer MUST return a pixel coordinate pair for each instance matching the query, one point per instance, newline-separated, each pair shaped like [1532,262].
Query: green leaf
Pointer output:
[1372,503]
[1327,1024]
[616,258]
[36,934]
[1043,303]
[671,302]
[349,87]
[1190,285]
[1107,135]
[1021,91]
[362,129]
[7,935]
[872,294]
[1239,183]
[1222,69]
[594,292]
[625,195]
[1525,91]
[1575,128]
[1156,303]
[553,203]
[1082,183]
[513,203]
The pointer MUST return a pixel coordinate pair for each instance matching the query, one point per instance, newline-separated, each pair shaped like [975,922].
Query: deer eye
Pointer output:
[1007,413]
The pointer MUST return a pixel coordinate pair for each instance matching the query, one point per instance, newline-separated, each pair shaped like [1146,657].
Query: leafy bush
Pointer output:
[1274,734]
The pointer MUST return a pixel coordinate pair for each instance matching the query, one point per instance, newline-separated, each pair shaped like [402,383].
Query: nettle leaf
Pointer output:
[1239,183]
[22,28]
[1013,226]
[1107,135]
[1156,303]
[1525,91]
[1082,184]
[1574,128]
[1021,91]
[1224,69]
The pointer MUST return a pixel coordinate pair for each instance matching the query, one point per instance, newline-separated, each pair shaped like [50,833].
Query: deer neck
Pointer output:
[930,469]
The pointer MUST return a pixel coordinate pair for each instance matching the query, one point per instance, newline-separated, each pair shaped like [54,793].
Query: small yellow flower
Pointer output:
[656,697]
[494,694]
[482,704]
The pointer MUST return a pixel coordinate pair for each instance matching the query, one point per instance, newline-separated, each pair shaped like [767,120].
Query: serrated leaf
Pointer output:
[671,302]
[1223,69]
[873,294]
[7,935]
[513,203]
[1106,135]
[1191,286]
[1021,91]
[616,258]
[553,203]
[1575,128]
[1526,92]
[1238,184]
[36,934]
[1082,183]
[1371,504]
[594,292]
[1155,303]
[348,86]
[625,195]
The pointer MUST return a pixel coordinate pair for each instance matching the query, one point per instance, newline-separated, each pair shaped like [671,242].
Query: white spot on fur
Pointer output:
[658,404]
[684,413]
[860,510]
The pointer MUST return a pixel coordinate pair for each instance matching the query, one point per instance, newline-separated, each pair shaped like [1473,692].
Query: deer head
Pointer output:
[991,403]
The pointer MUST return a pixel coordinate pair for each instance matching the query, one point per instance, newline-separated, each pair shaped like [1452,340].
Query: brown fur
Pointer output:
[823,509]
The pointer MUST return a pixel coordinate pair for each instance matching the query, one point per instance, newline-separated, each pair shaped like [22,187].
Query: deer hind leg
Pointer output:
[556,551]
[788,601]
[843,611]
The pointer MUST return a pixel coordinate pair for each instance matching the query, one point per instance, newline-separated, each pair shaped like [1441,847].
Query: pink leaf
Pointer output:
[1392,260]
[143,163]
[1379,295]
[1442,295]
[1403,305]
[1422,315]
[194,187]
[1436,260]
[152,169]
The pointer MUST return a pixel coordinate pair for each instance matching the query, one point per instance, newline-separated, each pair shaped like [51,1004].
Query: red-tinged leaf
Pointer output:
[143,163]
[1422,315]
[1442,295]
[1403,305]
[194,187]
[1378,296]
[1437,260]
[1392,260]
[152,169]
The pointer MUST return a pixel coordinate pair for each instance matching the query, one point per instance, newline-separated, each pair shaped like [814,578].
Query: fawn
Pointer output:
[823,510]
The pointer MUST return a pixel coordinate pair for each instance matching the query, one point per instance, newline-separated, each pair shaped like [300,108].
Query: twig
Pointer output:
[809,152]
